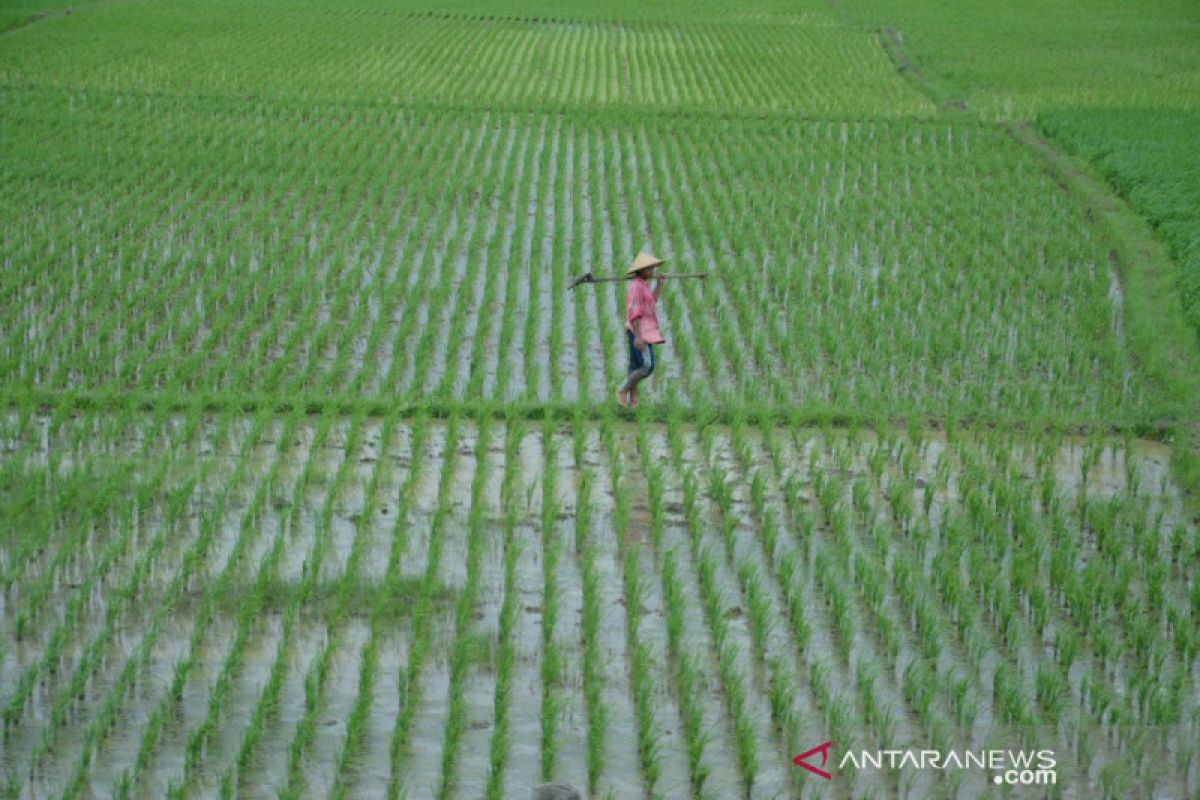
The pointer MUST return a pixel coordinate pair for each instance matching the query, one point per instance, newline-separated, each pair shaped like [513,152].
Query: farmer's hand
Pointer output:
[639,343]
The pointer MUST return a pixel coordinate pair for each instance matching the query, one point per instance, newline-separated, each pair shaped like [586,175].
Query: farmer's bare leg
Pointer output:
[644,359]
[635,377]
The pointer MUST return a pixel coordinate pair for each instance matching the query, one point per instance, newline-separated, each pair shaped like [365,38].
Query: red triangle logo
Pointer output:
[802,760]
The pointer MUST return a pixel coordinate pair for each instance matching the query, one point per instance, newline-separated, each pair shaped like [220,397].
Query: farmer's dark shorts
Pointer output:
[640,359]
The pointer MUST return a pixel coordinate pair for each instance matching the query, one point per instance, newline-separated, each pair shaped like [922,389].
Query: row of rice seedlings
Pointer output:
[318,672]
[342,271]
[773,594]
[555,252]
[445,284]
[769,256]
[496,253]
[464,651]
[640,179]
[264,709]
[32,594]
[524,197]
[331,306]
[691,677]
[740,65]
[561,251]
[939,692]
[419,281]
[196,307]
[949,609]
[268,701]
[922,685]
[737,688]
[790,558]
[117,602]
[227,257]
[53,363]
[616,230]
[1127,535]
[459,317]
[583,250]
[180,305]
[205,321]
[704,366]
[357,721]
[51,663]
[740,352]
[248,615]
[179,294]
[1123,612]
[640,656]
[877,715]
[259,301]
[429,288]
[550,233]
[874,715]
[267,704]
[368,657]
[1009,614]
[506,653]
[593,659]
[304,255]
[551,552]
[26,512]
[383,295]
[470,320]
[423,614]
[90,659]
[443,291]
[1021,599]
[193,560]
[338,374]
[601,188]
[761,352]
[530,279]
[247,529]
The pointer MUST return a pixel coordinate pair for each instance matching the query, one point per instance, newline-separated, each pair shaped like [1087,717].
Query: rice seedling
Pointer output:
[501,740]
[423,631]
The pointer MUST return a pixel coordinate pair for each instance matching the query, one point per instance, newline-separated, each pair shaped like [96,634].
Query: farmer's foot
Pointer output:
[622,400]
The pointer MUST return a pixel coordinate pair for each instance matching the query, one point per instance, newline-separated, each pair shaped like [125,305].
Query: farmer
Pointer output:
[641,325]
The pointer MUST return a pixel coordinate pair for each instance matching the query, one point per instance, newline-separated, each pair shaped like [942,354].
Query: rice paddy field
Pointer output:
[312,483]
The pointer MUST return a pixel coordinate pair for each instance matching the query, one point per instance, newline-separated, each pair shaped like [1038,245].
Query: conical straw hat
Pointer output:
[643,260]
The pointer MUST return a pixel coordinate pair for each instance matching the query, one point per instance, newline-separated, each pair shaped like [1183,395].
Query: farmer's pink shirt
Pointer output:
[640,302]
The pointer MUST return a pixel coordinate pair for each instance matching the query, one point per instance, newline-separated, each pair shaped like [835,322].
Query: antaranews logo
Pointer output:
[1012,767]
[802,760]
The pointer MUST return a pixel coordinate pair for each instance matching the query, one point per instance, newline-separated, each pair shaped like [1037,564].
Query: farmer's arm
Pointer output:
[658,288]
[638,342]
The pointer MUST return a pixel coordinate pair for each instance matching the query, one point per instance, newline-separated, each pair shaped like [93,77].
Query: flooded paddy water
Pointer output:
[354,604]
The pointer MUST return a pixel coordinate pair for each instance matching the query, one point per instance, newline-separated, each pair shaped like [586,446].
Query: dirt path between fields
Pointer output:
[1153,332]
[1160,340]
[34,18]
[53,13]
[892,42]
[1155,336]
